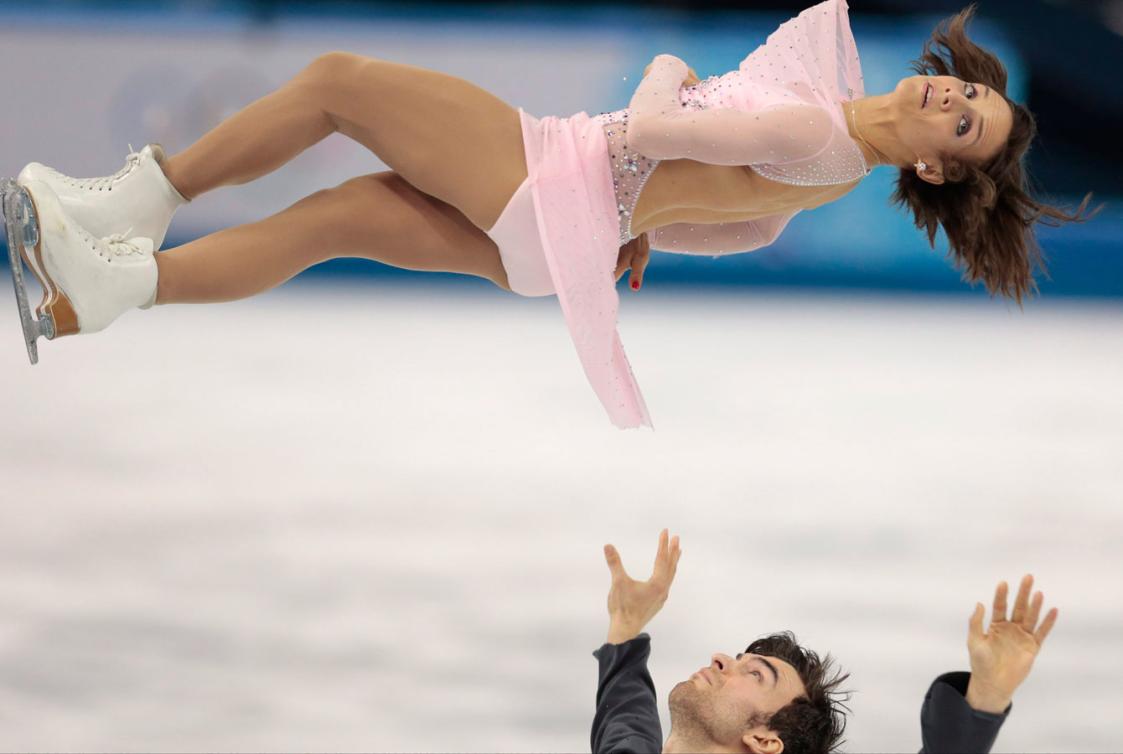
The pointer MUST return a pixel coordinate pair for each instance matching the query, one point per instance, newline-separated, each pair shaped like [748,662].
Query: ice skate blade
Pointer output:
[21,224]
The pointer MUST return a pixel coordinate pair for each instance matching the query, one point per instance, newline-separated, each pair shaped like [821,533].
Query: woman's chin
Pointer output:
[904,89]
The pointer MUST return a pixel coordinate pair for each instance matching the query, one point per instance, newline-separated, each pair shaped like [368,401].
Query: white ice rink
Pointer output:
[370,518]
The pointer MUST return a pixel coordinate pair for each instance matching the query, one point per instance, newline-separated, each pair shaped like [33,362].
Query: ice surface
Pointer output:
[367,518]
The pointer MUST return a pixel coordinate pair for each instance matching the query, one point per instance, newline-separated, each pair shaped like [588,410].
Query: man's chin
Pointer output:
[685,693]
[691,708]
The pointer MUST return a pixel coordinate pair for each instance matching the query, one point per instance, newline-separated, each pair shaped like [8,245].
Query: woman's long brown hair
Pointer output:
[985,210]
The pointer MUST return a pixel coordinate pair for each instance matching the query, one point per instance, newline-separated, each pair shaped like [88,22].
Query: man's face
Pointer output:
[723,699]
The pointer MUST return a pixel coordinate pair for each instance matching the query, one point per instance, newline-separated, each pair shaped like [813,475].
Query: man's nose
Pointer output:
[721,662]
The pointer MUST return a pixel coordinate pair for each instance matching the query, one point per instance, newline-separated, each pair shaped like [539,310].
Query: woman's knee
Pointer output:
[352,205]
[330,66]
[384,207]
[329,76]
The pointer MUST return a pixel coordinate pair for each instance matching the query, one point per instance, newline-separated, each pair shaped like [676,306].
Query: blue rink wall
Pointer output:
[187,70]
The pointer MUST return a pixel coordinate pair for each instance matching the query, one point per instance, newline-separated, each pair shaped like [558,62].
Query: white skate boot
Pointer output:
[87,282]
[138,196]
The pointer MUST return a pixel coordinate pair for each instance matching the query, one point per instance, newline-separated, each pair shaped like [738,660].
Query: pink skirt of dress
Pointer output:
[560,234]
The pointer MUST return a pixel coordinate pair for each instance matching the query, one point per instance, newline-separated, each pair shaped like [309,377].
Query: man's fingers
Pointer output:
[666,560]
[661,553]
[999,612]
[612,557]
[1046,626]
[1034,612]
[1021,602]
[975,624]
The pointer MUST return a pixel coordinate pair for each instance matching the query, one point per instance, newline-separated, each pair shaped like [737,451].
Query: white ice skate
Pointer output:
[138,196]
[87,282]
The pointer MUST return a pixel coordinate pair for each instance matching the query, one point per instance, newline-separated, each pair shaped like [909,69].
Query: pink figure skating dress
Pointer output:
[780,113]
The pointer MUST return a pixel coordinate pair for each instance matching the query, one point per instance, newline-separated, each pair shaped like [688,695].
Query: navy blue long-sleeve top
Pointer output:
[627,715]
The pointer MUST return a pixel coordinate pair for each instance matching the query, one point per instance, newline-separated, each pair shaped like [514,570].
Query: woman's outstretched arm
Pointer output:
[662,129]
[719,238]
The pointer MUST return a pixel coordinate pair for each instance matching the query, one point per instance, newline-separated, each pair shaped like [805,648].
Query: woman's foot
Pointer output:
[137,197]
[87,282]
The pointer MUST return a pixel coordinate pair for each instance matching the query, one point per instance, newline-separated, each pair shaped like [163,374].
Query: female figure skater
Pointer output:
[556,206]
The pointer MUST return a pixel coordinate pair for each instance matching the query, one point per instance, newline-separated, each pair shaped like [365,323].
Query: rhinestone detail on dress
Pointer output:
[630,169]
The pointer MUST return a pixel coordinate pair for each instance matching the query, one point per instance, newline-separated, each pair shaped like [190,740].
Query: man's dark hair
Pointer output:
[812,723]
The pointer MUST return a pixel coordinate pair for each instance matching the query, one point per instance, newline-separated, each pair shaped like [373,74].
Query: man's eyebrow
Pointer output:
[770,666]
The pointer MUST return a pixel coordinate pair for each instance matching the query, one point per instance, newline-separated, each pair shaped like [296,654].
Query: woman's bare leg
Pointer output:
[379,216]
[446,136]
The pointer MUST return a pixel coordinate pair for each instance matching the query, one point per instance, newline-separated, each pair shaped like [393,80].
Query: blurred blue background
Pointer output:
[122,73]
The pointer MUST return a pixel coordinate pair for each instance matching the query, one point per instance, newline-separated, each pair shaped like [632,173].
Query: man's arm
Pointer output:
[963,712]
[949,724]
[627,718]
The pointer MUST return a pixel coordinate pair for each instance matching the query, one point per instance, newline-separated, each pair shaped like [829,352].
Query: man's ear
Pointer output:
[761,740]
[933,174]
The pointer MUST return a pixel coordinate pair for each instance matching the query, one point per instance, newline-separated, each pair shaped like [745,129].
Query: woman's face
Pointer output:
[944,114]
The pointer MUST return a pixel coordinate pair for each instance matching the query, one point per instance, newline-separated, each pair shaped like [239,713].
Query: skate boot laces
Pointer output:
[105,183]
[118,246]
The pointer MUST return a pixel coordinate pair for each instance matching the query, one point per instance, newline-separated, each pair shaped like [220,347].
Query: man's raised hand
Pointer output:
[1003,655]
[632,604]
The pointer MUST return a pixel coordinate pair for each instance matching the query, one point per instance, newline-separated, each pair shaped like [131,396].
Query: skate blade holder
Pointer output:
[22,226]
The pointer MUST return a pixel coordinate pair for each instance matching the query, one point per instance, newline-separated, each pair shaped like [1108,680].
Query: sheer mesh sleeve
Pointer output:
[662,129]
[719,238]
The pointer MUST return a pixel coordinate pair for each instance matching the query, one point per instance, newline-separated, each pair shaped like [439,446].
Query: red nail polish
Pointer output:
[635,285]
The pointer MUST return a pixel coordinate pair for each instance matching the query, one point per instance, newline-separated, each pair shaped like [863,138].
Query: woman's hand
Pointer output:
[632,604]
[691,76]
[635,255]
[1002,657]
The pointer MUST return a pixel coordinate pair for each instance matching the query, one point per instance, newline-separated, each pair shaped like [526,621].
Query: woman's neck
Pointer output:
[873,128]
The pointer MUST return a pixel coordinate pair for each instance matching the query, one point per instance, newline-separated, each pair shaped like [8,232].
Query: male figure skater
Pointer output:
[778,697]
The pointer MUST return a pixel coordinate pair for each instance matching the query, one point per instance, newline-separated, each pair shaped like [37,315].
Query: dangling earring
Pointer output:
[921,165]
